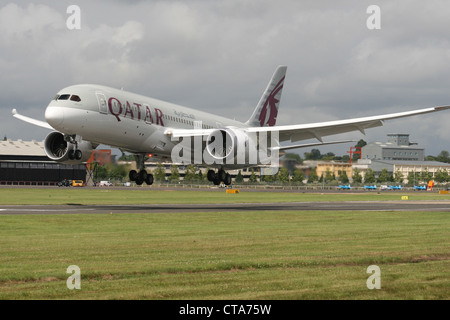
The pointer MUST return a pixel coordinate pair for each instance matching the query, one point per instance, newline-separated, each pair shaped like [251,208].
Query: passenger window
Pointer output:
[64,97]
[75,98]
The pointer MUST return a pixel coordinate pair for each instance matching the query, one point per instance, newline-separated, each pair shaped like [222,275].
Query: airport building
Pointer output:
[401,166]
[398,154]
[25,163]
[335,168]
[398,147]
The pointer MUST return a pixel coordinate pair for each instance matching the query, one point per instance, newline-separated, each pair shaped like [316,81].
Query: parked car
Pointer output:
[65,183]
[78,183]
[105,184]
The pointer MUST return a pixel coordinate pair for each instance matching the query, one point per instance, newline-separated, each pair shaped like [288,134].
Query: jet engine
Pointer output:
[229,144]
[59,148]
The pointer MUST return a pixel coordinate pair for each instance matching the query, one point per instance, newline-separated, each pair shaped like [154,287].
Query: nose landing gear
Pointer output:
[73,154]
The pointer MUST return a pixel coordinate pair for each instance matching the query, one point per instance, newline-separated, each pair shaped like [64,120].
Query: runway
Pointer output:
[443,206]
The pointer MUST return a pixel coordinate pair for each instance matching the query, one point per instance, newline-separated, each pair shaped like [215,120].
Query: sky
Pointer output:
[218,56]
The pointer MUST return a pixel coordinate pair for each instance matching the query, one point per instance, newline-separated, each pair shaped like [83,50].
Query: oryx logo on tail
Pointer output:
[271,104]
[265,113]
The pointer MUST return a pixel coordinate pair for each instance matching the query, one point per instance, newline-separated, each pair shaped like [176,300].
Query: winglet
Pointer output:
[38,123]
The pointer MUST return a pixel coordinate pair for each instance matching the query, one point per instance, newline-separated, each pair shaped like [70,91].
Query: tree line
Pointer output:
[195,175]
[284,175]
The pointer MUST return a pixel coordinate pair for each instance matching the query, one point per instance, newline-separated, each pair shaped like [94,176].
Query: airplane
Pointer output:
[418,188]
[345,187]
[83,116]
[395,187]
[374,187]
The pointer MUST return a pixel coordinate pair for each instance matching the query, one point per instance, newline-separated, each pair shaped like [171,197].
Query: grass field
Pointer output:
[44,196]
[220,255]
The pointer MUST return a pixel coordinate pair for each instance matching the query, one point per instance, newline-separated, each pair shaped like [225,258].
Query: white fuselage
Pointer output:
[125,120]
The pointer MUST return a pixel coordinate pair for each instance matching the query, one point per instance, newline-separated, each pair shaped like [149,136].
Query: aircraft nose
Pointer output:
[54,116]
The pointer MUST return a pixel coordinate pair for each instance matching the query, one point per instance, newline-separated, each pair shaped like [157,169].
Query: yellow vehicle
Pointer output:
[78,183]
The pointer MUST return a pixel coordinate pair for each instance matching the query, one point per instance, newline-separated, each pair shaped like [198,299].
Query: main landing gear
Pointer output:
[219,176]
[142,176]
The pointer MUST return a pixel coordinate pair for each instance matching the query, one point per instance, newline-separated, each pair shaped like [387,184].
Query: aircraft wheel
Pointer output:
[133,175]
[227,180]
[149,179]
[216,181]
[142,175]
[211,175]
[222,175]
[78,154]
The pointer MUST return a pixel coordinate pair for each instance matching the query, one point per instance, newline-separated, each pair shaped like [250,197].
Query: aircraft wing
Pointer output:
[322,129]
[313,130]
[38,123]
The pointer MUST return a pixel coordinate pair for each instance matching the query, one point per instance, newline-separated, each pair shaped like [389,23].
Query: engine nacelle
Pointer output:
[229,144]
[58,149]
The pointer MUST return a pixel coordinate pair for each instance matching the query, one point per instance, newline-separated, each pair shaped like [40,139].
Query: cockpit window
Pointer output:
[73,97]
[64,97]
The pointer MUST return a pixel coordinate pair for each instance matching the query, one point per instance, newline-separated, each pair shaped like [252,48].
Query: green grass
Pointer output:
[223,255]
[100,196]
